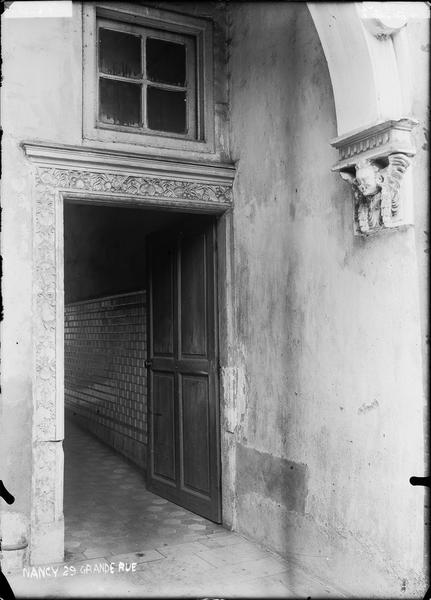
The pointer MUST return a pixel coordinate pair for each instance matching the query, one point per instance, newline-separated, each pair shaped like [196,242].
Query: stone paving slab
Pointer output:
[217,541]
[230,555]
[181,549]
[96,552]
[143,556]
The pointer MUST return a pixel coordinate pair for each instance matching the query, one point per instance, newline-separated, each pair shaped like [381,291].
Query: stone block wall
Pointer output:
[105,376]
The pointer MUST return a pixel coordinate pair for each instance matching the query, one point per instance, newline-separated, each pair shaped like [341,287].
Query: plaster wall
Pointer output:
[327,387]
[40,100]
[419,44]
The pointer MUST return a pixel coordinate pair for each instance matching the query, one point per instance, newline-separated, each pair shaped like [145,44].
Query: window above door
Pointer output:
[146,80]
[147,77]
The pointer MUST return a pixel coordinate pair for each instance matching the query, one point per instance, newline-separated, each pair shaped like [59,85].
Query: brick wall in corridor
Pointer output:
[105,376]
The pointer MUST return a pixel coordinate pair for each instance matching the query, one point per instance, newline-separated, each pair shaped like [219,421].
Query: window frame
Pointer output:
[190,86]
[134,18]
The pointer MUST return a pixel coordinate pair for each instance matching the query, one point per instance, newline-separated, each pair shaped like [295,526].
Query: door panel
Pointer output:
[195,433]
[163,301]
[193,296]
[162,420]
[183,410]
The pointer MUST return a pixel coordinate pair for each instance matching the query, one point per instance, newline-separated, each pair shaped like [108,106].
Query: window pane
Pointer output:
[166,62]
[119,53]
[166,110]
[120,102]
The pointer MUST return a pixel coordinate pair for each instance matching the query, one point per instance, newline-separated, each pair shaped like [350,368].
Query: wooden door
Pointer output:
[183,409]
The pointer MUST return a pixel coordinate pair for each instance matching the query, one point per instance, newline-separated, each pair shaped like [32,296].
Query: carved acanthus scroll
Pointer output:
[134,185]
[377,193]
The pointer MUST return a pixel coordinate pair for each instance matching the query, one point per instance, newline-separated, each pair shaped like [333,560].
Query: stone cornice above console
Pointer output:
[375,142]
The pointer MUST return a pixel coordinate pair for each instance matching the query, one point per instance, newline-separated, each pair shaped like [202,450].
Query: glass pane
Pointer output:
[119,53]
[166,62]
[119,102]
[166,110]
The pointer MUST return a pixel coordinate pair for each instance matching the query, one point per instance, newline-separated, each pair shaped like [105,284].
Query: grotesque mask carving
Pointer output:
[368,177]
[376,191]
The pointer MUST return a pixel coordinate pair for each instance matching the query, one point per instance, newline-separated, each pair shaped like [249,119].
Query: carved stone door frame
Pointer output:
[109,178]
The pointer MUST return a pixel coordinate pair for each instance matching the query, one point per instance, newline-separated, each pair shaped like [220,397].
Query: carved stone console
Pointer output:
[375,161]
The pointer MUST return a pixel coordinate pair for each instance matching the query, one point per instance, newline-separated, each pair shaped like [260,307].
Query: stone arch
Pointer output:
[367,52]
[366,57]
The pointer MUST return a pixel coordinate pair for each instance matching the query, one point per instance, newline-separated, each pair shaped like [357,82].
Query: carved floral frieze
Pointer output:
[45,311]
[133,185]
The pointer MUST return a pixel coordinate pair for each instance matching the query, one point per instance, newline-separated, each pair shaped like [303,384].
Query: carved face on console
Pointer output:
[368,179]
[376,191]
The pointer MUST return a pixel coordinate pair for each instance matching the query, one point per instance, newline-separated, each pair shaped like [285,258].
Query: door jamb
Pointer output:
[88,175]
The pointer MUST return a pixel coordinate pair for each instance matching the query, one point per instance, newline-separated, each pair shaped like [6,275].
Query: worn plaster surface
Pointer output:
[328,326]
[39,55]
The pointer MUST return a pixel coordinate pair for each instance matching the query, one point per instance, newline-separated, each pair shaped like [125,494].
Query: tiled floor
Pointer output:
[111,519]
[108,510]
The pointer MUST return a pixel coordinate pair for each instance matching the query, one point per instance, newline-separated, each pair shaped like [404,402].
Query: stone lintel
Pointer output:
[89,158]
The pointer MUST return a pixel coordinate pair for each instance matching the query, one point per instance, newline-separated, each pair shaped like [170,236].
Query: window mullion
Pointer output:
[144,82]
[168,86]
[191,94]
[120,78]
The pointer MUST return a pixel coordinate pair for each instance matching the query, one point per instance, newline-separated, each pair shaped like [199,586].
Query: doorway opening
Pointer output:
[142,449]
